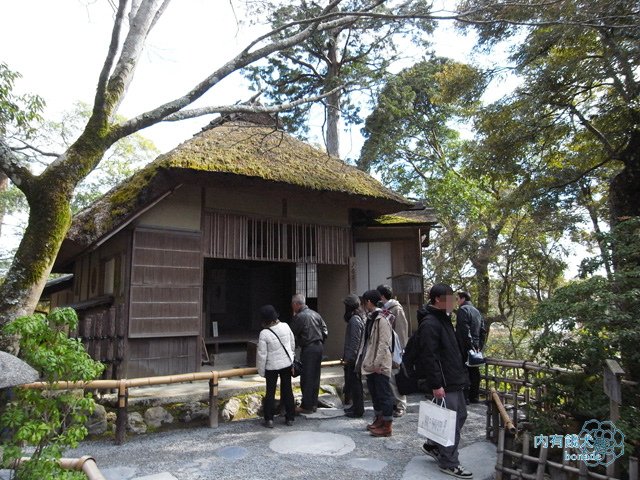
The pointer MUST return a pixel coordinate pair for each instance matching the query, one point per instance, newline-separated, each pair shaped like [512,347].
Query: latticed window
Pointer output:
[242,237]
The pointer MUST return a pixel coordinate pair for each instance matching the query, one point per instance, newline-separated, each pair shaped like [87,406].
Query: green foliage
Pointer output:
[591,320]
[48,421]
[16,111]
[357,56]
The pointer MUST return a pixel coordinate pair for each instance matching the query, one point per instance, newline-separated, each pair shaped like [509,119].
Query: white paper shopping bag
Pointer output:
[437,423]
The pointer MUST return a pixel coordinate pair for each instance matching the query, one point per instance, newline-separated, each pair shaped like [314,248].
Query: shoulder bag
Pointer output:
[296,365]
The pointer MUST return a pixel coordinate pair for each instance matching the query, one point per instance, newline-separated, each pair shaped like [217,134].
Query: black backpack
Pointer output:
[410,374]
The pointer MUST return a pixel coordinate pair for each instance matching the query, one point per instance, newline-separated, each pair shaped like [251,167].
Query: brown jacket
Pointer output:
[375,347]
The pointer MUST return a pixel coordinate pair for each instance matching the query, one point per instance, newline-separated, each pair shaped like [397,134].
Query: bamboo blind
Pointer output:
[242,237]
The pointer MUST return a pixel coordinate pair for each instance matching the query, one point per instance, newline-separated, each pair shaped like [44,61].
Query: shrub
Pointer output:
[48,421]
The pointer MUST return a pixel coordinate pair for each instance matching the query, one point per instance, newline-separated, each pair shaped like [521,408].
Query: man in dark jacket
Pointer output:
[310,332]
[470,331]
[442,362]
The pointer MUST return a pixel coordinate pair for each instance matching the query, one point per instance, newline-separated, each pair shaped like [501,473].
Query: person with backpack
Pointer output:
[375,363]
[442,362]
[354,316]
[274,356]
[401,327]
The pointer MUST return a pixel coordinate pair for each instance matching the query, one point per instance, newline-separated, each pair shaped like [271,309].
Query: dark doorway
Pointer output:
[234,290]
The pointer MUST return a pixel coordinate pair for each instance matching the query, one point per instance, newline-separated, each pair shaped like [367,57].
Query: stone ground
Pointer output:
[325,445]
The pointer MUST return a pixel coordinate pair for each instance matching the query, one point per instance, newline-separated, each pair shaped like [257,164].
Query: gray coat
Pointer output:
[352,337]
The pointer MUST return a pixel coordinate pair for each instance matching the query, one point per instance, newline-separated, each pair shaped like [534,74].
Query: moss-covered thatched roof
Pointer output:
[425,216]
[234,150]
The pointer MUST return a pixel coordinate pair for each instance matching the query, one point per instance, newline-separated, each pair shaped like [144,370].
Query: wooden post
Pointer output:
[500,455]
[525,451]
[495,420]
[612,384]
[121,415]
[490,408]
[542,463]
[584,471]
[213,400]
[633,468]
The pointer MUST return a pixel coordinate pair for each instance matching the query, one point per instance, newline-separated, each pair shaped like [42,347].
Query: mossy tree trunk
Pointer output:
[49,197]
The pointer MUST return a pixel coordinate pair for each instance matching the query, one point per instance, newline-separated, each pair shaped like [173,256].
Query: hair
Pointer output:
[299,299]
[438,290]
[372,295]
[385,291]
[465,295]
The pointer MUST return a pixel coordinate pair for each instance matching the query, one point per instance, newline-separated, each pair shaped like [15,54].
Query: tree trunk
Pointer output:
[333,101]
[333,120]
[623,201]
[49,220]
[4,185]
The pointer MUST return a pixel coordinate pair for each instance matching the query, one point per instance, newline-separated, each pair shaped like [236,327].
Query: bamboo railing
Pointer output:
[515,386]
[123,386]
[85,464]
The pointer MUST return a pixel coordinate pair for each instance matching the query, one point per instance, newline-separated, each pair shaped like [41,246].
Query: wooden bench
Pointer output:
[250,342]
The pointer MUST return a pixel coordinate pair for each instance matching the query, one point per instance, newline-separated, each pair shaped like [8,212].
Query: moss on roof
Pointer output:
[417,217]
[237,148]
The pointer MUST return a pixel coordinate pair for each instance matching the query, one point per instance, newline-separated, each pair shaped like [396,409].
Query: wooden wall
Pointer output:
[165,302]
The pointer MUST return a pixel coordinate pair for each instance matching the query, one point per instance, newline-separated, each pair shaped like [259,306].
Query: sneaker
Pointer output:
[399,412]
[288,423]
[431,450]
[268,423]
[458,472]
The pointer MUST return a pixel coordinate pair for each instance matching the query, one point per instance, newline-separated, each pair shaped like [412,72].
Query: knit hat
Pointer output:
[352,301]
[268,313]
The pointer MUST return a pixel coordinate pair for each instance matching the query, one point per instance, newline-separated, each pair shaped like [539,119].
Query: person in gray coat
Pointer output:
[354,316]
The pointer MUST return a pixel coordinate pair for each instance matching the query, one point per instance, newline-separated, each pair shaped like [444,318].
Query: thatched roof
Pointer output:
[422,216]
[232,152]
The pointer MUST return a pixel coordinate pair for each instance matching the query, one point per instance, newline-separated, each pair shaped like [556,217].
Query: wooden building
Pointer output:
[183,253]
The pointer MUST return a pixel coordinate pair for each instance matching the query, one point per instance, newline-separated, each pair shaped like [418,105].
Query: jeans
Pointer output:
[286,393]
[381,395]
[353,384]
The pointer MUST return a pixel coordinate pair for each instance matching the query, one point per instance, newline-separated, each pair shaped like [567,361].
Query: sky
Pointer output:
[59,46]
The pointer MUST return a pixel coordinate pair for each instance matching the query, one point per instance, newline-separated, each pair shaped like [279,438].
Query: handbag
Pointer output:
[475,358]
[296,365]
[437,422]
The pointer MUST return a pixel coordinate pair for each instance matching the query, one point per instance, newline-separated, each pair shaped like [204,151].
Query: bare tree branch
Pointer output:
[20,176]
[98,105]
[247,108]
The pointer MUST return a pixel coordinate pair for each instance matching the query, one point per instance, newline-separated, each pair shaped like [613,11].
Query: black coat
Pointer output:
[441,357]
[470,326]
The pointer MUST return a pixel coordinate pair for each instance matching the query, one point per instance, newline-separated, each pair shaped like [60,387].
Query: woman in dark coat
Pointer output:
[354,316]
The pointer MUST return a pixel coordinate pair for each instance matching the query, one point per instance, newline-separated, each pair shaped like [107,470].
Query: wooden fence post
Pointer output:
[213,400]
[612,384]
[121,415]
[542,461]
[500,455]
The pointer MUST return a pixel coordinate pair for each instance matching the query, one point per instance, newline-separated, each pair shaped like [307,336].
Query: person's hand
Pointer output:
[438,393]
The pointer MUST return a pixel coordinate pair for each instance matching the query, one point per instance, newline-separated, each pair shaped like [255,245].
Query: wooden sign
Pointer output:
[612,375]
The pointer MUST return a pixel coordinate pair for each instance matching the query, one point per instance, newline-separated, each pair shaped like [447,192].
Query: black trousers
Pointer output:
[473,392]
[286,393]
[381,395]
[311,356]
[353,384]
